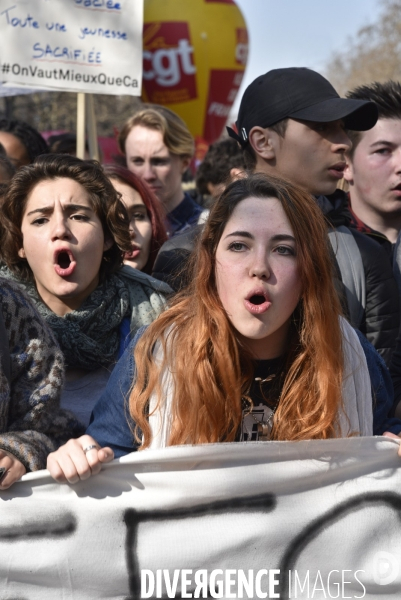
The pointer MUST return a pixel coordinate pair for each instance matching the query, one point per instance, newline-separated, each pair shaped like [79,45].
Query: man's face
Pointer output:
[312,155]
[15,149]
[149,158]
[374,171]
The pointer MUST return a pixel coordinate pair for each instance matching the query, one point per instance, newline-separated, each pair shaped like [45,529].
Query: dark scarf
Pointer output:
[89,336]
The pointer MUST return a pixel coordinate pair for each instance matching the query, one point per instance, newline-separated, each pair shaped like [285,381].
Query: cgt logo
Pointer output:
[168,62]
[241,49]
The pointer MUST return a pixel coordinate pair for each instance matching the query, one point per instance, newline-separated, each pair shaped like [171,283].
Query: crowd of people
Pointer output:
[262,305]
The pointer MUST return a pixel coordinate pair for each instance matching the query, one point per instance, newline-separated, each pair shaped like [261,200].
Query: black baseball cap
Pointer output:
[298,93]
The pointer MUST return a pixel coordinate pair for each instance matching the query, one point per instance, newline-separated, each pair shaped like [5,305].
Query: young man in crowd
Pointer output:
[293,124]
[374,175]
[223,162]
[374,166]
[21,142]
[158,148]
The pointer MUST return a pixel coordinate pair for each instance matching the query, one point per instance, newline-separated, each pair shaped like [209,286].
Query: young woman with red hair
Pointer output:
[255,349]
[146,218]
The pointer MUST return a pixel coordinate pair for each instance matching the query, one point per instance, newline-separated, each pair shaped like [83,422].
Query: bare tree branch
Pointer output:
[373,55]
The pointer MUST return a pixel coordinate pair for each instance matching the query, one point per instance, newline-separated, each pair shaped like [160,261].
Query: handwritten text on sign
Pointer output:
[73,45]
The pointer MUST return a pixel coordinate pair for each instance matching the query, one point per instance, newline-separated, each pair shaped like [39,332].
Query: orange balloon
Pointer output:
[194,58]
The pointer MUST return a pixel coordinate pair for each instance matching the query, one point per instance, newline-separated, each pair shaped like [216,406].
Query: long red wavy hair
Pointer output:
[201,350]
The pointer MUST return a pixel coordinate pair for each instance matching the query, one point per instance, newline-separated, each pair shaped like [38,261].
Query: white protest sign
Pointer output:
[16,91]
[92,46]
[319,519]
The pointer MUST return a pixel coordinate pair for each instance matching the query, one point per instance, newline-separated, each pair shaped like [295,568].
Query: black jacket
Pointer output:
[382,313]
[172,260]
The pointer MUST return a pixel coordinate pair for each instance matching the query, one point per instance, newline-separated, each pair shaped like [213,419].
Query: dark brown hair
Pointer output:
[105,202]
[386,96]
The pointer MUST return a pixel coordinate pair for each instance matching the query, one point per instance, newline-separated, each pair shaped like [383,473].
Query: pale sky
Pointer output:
[299,33]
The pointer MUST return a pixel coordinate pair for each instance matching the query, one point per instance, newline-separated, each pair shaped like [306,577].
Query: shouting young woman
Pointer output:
[65,235]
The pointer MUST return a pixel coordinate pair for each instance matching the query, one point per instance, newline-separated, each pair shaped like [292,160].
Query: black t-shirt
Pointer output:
[260,402]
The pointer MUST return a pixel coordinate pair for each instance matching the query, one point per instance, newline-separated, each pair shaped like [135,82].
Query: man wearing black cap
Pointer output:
[293,124]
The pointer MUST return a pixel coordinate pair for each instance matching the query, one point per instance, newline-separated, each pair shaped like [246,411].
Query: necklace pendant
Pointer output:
[264,430]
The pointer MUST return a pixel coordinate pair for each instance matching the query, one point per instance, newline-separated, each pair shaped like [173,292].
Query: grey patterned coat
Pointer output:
[31,422]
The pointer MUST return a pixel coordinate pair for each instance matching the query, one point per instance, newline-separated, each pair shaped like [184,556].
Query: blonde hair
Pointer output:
[176,134]
[204,356]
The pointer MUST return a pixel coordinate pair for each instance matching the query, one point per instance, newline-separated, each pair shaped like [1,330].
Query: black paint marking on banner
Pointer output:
[61,526]
[263,503]
[313,530]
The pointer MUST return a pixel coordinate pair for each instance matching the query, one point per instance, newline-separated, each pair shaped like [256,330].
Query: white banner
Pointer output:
[90,46]
[318,519]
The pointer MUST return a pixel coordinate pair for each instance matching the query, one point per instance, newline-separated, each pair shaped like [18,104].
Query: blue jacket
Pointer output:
[184,216]
[111,424]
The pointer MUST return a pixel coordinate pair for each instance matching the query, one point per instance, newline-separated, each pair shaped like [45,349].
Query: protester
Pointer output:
[31,376]
[373,173]
[65,143]
[374,166]
[7,169]
[255,349]
[223,162]
[22,142]
[64,237]
[293,124]
[146,226]
[158,148]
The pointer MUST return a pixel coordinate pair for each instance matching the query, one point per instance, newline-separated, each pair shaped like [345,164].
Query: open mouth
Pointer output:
[132,254]
[257,299]
[63,260]
[338,169]
[64,263]
[257,303]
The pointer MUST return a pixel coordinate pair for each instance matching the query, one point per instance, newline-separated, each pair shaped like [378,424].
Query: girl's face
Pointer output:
[257,275]
[140,227]
[63,242]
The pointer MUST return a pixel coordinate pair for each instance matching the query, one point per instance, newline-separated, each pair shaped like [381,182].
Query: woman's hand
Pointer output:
[78,459]
[13,469]
[393,435]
